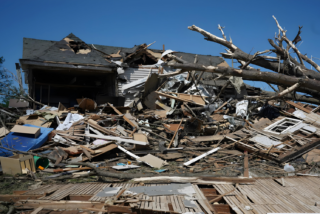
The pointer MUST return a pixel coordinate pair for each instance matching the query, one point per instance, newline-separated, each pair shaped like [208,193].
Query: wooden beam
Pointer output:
[115,139]
[37,210]
[48,204]
[298,106]
[201,156]
[246,165]
[86,148]
[179,99]
[199,180]
[103,150]
[112,209]
[124,117]
[175,134]
[15,198]
[220,196]
[79,67]
[100,128]
[225,103]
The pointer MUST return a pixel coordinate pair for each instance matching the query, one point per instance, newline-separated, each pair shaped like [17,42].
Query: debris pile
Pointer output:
[185,131]
[182,123]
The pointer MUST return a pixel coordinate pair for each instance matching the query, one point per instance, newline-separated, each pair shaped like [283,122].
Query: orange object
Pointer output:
[129,162]
[40,167]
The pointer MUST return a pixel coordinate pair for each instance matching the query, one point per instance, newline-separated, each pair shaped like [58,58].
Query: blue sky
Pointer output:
[128,23]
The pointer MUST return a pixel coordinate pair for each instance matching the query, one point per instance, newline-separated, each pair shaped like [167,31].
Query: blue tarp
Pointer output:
[24,142]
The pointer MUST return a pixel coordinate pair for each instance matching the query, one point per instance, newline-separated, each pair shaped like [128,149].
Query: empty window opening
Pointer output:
[282,126]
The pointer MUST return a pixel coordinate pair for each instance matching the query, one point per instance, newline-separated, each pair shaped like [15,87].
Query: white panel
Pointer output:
[133,74]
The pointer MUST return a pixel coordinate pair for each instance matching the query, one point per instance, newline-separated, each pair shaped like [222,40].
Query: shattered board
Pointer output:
[171,189]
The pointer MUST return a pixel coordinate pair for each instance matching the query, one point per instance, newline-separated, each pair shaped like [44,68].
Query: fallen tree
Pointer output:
[269,62]
[290,75]
[306,85]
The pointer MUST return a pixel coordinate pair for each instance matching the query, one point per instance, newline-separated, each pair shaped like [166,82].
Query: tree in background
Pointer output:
[8,88]
[4,83]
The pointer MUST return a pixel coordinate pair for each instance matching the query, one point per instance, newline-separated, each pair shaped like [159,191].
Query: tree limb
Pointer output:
[277,96]
[310,85]
[263,61]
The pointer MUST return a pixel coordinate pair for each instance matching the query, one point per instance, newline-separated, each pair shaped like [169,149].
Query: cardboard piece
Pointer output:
[15,103]
[153,161]
[17,164]
[26,130]
[171,156]
[141,137]
[4,131]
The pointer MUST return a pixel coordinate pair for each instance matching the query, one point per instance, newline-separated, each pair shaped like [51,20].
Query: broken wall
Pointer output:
[131,75]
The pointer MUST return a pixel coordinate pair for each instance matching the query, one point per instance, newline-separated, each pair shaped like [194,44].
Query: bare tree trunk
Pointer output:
[310,86]
[237,53]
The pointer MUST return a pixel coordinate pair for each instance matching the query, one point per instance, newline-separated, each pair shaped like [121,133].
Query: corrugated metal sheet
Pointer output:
[133,74]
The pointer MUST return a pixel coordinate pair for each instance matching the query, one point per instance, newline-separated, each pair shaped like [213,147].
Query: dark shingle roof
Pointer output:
[45,50]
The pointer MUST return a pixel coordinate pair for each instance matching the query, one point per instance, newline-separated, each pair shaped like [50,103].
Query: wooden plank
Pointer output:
[19,192]
[164,203]
[178,98]
[175,133]
[298,106]
[181,204]
[100,128]
[87,153]
[48,204]
[246,165]
[201,156]
[220,196]
[124,117]
[112,209]
[88,149]
[37,210]
[102,209]
[103,150]
[173,203]
[15,198]
[33,169]
[177,204]
[202,200]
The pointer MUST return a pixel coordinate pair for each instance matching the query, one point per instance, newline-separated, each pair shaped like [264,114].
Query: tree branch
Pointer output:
[310,85]
[267,62]
[277,96]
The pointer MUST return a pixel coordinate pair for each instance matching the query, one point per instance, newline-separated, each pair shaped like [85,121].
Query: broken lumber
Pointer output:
[118,139]
[201,156]
[175,133]
[124,117]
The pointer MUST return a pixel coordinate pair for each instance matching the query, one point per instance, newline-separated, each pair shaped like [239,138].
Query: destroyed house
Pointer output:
[69,69]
